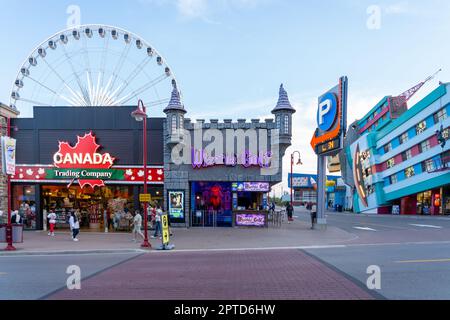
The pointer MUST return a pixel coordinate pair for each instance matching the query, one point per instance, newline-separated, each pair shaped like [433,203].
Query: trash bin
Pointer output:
[17,233]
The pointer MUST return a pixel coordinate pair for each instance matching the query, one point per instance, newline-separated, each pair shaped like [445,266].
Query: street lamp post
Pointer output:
[299,162]
[140,115]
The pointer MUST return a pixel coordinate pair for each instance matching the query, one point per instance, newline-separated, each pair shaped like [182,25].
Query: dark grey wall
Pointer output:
[116,131]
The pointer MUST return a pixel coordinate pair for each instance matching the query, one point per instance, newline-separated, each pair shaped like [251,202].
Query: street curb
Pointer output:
[68,252]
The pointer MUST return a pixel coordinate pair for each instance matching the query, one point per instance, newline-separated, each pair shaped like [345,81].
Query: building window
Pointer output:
[286,124]
[439,116]
[428,165]
[387,147]
[384,117]
[421,127]
[445,159]
[174,124]
[446,134]
[181,121]
[24,202]
[409,172]
[390,163]
[404,138]
[279,122]
[394,179]
[407,155]
[425,146]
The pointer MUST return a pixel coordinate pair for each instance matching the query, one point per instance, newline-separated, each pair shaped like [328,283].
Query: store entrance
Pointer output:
[424,203]
[96,208]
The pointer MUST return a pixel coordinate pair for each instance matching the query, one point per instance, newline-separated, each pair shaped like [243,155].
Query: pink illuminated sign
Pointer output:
[251,220]
[201,159]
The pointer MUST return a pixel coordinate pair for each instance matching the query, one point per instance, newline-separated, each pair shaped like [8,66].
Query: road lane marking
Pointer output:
[424,261]
[425,226]
[365,228]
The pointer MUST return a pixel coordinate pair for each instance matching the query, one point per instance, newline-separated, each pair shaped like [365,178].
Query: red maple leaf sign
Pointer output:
[83,156]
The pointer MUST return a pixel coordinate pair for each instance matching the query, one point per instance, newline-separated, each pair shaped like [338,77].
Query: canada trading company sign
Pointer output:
[82,162]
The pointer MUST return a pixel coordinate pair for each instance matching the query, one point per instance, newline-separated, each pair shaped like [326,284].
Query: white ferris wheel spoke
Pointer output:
[147,86]
[80,85]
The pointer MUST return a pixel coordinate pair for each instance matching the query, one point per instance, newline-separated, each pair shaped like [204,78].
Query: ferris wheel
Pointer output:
[89,66]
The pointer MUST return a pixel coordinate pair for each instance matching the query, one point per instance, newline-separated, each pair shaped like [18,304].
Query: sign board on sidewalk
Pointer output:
[165,229]
[145,197]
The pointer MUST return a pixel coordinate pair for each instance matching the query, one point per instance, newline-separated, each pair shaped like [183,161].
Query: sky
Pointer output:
[230,56]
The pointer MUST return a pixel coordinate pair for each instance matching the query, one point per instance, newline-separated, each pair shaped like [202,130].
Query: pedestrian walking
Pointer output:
[137,224]
[74,225]
[52,222]
[313,215]
[289,211]
[158,230]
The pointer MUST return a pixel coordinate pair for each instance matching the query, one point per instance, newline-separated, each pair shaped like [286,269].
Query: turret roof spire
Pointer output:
[283,102]
[175,101]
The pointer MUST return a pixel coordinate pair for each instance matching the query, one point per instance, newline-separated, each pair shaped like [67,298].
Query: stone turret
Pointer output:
[283,112]
[175,116]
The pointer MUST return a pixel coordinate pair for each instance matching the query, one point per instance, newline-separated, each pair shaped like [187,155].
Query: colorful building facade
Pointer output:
[397,159]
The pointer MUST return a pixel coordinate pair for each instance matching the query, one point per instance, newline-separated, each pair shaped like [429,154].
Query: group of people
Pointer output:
[136,219]
[312,207]
[73,221]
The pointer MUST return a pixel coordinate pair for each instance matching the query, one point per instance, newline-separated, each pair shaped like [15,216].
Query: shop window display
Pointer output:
[89,204]
[24,203]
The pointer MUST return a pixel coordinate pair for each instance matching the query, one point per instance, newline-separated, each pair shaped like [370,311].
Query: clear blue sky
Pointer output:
[230,56]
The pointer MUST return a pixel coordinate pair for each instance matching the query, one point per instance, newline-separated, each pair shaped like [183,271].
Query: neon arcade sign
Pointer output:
[201,159]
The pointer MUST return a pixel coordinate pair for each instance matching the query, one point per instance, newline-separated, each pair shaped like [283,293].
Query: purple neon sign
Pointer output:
[200,159]
[251,220]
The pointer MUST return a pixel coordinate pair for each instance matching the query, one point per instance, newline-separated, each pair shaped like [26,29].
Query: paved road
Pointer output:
[418,271]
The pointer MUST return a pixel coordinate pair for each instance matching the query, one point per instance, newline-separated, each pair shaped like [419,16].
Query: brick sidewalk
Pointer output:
[263,275]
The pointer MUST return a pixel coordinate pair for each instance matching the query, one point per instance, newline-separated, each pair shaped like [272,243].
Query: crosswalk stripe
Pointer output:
[365,228]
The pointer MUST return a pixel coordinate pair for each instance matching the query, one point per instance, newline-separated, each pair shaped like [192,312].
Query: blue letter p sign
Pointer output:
[326,114]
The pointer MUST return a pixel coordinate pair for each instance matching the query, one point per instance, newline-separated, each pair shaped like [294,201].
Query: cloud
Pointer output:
[205,9]
[192,8]
[398,8]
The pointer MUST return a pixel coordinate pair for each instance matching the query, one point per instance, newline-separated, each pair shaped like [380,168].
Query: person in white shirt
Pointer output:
[158,228]
[137,224]
[74,225]
[52,222]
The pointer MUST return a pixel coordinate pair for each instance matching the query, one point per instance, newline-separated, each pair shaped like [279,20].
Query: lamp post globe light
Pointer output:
[299,162]
[140,115]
